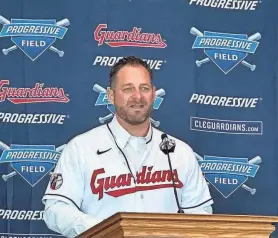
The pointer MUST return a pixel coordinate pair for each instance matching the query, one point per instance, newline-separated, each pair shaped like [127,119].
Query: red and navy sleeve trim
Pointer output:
[59,195]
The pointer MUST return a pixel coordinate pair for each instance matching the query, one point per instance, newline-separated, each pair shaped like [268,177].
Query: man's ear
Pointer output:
[110,95]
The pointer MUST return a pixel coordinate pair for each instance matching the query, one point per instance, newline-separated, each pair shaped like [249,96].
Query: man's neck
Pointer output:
[140,130]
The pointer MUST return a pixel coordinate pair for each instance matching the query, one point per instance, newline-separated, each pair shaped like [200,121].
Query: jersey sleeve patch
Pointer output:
[56,181]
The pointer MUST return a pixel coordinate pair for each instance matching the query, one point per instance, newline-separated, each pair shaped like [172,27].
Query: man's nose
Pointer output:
[137,93]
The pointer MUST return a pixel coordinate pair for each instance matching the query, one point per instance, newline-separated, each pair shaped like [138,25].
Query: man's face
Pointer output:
[133,94]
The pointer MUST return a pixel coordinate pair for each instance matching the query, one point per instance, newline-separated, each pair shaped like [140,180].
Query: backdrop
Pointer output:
[215,69]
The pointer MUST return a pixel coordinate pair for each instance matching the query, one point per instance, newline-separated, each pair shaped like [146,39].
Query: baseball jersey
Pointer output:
[106,170]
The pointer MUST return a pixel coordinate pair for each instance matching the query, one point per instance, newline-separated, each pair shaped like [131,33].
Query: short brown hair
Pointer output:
[129,60]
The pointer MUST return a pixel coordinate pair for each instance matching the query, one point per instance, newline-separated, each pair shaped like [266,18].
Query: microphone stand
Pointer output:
[166,151]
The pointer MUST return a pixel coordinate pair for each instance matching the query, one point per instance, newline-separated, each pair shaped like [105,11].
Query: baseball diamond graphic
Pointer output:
[26,36]
[225,180]
[225,56]
[102,100]
[31,162]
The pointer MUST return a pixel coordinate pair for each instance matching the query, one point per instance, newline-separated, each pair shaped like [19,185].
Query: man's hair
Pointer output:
[129,60]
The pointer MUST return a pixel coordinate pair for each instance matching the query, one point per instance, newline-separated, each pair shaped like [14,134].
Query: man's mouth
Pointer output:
[137,106]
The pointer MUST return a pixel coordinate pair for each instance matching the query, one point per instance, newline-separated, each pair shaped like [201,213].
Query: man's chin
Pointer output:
[136,120]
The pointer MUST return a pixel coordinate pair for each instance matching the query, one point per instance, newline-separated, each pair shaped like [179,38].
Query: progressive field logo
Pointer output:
[227,174]
[33,37]
[31,162]
[225,50]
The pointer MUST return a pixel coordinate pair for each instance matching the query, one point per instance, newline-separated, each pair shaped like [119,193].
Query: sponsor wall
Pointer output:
[215,69]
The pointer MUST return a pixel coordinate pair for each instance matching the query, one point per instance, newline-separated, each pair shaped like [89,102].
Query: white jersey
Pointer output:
[101,176]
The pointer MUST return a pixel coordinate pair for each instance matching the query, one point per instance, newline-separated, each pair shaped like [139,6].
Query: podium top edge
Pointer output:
[195,217]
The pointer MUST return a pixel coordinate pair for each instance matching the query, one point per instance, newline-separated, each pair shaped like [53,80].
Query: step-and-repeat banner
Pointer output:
[215,69]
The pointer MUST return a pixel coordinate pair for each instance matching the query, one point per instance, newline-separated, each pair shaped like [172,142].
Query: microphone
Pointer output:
[168,146]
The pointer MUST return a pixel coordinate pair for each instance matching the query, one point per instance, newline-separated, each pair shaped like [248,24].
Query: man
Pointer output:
[119,167]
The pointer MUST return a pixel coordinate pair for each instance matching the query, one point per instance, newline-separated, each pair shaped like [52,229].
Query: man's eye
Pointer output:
[145,89]
[127,89]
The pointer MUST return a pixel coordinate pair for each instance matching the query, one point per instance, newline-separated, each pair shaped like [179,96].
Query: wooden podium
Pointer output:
[153,225]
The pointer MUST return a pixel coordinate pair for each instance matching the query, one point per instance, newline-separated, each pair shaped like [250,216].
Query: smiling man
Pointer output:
[120,166]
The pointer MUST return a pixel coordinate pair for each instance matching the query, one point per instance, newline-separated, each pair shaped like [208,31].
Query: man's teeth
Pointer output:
[137,106]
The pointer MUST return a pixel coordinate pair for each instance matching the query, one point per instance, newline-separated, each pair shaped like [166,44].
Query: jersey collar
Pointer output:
[122,136]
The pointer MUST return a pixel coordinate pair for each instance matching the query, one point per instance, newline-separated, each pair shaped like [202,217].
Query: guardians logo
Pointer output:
[33,37]
[125,38]
[37,94]
[226,50]
[120,185]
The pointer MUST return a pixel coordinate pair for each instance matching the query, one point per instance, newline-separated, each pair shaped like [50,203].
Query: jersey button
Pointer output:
[142,196]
